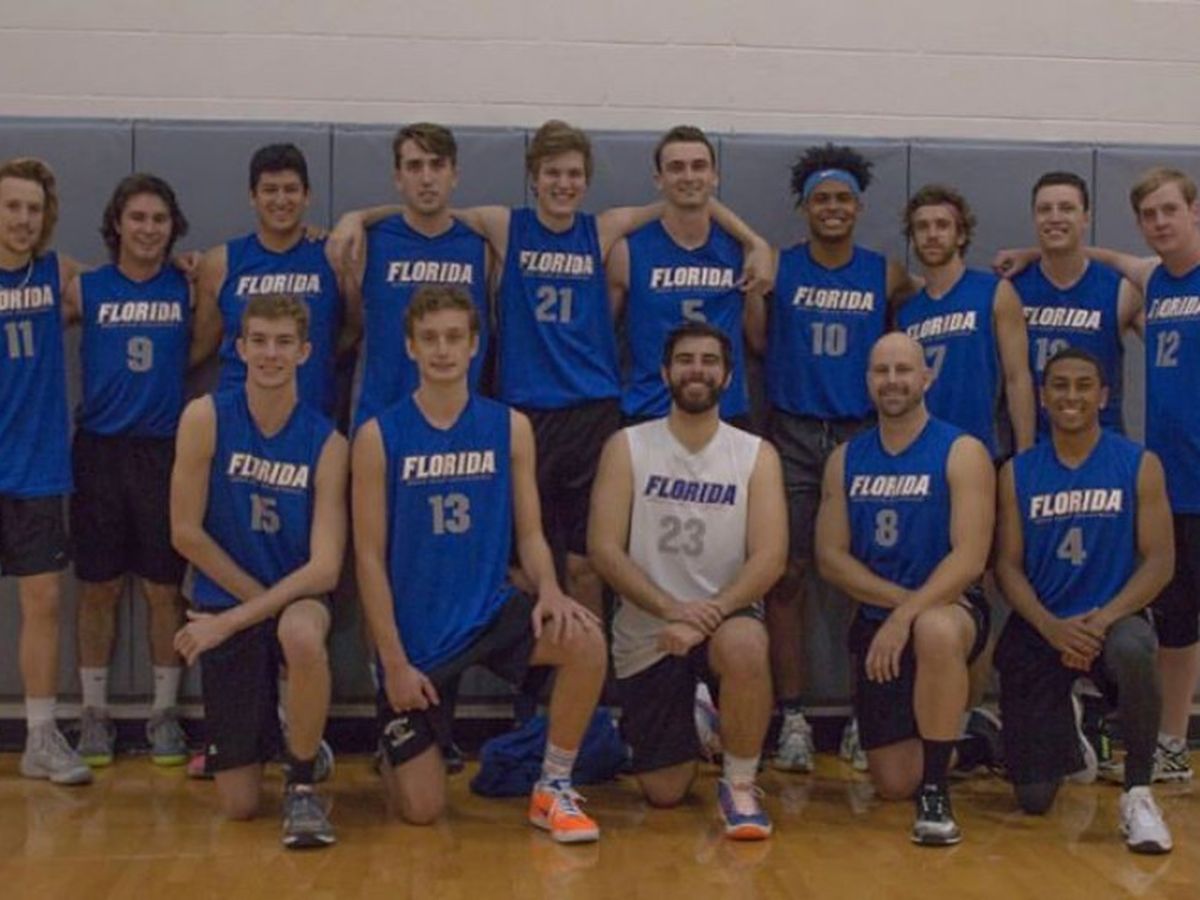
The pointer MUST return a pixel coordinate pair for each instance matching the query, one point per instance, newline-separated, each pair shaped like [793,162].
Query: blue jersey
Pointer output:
[33,383]
[1172,374]
[450,521]
[556,343]
[669,285]
[899,505]
[400,260]
[135,351]
[1083,315]
[820,330]
[957,333]
[1078,525]
[261,493]
[303,272]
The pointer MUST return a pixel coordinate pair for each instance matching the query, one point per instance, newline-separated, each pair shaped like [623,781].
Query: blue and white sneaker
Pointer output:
[708,723]
[742,811]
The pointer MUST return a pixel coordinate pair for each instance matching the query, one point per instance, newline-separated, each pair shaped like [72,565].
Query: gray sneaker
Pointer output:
[323,765]
[48,755]
[850,749]
[97,737]
[168,743]
[305,820]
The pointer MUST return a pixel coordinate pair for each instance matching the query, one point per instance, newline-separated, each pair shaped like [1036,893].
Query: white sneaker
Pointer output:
[708,723]
[1142,822]
[850,749]
[1091,764]
[795,750]
[48,755]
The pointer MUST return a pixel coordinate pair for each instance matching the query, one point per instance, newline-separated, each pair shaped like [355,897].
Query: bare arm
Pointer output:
[759,265]
[1012,344]
[194,447]
[346,245]
[1136,268]
[901,284]
[617,267]
[754,318]
[608,532]
[1010,556]
[532,549]
[350,290]
[72,302]
[490,221]
[834,560]
[1155,546]
[206,319]
[1130,306]
[614,224]
[766,535]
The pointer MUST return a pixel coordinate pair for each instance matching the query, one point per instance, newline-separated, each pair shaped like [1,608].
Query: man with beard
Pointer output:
[688,527]
[829,307]
[968,322]
[904,528]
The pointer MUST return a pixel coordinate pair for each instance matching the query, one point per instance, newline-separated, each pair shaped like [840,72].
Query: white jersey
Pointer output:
[687,527]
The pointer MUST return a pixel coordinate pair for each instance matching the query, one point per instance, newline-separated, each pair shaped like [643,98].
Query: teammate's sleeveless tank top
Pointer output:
[450,523]
[669,285]
[400,260]
[899,506]
[820,330]
[1079,525]
[687,526]
[134,349]
[301,272]
[261,493]
[960,348]
[33,382]
[556,343]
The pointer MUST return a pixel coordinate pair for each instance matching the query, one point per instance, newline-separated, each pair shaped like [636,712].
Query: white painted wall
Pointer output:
[1094,70]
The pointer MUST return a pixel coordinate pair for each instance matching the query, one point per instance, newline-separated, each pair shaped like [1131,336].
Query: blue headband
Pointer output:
[829,175]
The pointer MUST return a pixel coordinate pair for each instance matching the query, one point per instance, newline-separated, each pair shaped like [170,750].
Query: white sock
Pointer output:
[94,682]
[1171,742]
[558,763]
[166,686]
[39,711]
[740,769]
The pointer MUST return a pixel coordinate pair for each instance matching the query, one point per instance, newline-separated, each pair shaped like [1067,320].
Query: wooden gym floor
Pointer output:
[150,833]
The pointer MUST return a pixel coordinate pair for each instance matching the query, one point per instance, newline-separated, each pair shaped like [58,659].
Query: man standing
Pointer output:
[442,481]
[683,267]
[829,307]
[969,324]
[1069,300]
[1084,545]
[277,258]
[688,527]
[258,506]
[34,446]
[135,314]
[904,528]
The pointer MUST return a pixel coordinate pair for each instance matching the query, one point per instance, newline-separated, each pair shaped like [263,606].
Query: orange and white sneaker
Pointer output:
[554,807]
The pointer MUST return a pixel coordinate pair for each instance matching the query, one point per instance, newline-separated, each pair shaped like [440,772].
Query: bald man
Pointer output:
[904,528]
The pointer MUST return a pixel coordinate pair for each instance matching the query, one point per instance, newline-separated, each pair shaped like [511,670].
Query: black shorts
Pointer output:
[33,535]
[504,648]
[885,710]
[1176,611]
[1040,739]
[240,681]
[569,442]
[658,706]
[120,511]
[805,444]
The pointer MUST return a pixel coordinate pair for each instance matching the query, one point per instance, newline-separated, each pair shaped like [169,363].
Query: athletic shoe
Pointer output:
[795,750]
[97,737]
[48,755]
[1095,722]
[197,766]
[850,750]
[935,825]
[1172,763]
[742,812]
[323,765]
[453,758]
[708,723]
[554,807]
[984,724]
[305,820]
[168,743]
[1142,822]
[1091,765]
